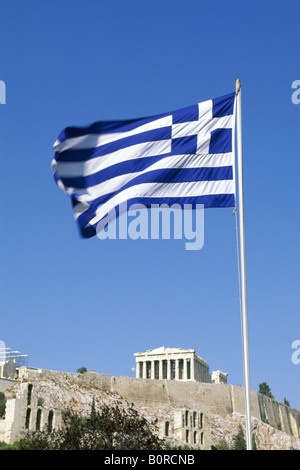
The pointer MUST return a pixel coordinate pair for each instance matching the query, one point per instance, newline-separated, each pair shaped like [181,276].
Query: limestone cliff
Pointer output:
[161,401]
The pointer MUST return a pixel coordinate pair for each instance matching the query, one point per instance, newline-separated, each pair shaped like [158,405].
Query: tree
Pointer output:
[239,442]
[222,445]
[113,428]
[82,370]
[264,389]
[286,402]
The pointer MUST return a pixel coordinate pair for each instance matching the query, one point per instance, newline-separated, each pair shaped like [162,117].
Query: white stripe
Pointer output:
[205,109]
[184,129]
[177,161]
[146,149]
[88,167]
[204,137]
[194,189]
[205,123]
[95,140]
[79,209]
[202,129]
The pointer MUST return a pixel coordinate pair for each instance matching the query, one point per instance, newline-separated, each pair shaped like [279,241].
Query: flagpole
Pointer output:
[243,264]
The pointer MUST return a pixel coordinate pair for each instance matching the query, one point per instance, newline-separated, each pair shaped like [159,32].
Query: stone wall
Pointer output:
[221,399]
[25,410]
[2,431]
[277,414]
[167,401]
[6,384]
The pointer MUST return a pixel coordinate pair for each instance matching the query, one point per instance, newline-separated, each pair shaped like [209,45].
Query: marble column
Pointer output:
[184,370]
[193,368]
[169,369]
[177,369]
[160,369]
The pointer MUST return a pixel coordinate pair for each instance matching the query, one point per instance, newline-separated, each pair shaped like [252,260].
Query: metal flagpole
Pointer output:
[243,264]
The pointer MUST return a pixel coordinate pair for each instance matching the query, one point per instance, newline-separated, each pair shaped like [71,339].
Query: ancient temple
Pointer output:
[175,364]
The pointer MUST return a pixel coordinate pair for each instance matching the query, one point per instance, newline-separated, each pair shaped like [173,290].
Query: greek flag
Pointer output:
[181,157]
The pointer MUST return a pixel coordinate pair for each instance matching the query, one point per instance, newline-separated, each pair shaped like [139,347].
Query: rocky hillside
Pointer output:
[69,392]
[266,436]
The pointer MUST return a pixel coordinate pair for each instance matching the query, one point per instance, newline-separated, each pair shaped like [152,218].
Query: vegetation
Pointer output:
[169,446]
[286,402]
[82,370]
[112,428]
[264,389]
[222,445]
[2,405]
[4,446]
[239,442]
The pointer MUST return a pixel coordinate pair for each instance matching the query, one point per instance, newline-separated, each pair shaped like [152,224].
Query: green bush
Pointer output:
[2,405]
[239,442]
[112,428]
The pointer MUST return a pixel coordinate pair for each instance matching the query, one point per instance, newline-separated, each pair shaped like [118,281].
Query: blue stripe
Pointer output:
[81,155]
[56,178]
[179,175]
[86,216]
[220,141]
[88,232]
[167,175]
[107,127]
[223,106]
[123,168]
[215,200]
[161,176]
[184,146]
[211,201]
[190,113]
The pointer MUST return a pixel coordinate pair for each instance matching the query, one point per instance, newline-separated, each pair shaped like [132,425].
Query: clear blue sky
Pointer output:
[69,302]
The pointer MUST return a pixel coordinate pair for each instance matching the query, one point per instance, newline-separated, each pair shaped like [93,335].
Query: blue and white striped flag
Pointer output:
[182,157]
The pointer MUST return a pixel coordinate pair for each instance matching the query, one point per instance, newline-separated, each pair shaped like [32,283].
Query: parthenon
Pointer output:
[173,364]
